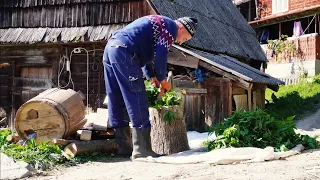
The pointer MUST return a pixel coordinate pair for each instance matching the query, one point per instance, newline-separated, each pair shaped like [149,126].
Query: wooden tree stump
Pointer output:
[168,137]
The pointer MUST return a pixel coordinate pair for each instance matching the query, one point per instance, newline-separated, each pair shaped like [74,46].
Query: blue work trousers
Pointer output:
[124,86]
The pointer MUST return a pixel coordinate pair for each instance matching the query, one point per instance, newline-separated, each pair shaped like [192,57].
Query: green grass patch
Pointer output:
[294,100]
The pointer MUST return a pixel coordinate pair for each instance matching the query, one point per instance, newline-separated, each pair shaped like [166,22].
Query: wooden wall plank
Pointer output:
[43,73]
[33,72]
[259,99]
[241,102]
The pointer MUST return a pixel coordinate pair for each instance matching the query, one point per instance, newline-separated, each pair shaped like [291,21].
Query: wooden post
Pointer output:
[249,12]
[257,11]
[250,98]
[13,101]
[230,98]
[280,30]
[316,23]
[168,137]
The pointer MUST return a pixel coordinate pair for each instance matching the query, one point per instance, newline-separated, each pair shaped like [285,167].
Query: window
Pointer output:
[279,6]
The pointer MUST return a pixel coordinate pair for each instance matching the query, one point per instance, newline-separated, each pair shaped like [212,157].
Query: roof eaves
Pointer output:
[213,63]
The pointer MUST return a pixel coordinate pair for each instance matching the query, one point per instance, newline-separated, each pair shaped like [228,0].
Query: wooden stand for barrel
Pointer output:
[168,138]
[53,114]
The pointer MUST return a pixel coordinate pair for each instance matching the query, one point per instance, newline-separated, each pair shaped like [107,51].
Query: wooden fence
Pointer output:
[294,80]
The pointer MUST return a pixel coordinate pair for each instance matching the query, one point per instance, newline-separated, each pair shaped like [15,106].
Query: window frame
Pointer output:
[280,6]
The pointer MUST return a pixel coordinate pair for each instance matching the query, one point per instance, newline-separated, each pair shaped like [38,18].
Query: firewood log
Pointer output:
[80,147]
[13,138]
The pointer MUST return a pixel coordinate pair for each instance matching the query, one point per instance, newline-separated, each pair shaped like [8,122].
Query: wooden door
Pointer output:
[218,101]
[33,80]
[5,85]
[194,104]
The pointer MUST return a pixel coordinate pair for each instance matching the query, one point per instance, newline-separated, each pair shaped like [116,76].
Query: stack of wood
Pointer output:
[95,136]
[59,116]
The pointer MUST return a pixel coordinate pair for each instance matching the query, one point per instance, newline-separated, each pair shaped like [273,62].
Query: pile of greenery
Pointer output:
[41,156]
[167,99]
[294,100]
[258,129]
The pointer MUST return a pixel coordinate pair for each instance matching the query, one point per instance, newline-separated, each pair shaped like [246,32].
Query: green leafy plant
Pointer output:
[258,129]
[168,116]
[3,137]
[42,156]
[316,79]
[282,46]
[168,98]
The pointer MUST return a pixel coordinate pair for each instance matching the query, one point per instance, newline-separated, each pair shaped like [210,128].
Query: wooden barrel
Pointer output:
[53,114]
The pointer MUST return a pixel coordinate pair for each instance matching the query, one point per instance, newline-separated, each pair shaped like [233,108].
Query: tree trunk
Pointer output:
[168,137]
[103,146]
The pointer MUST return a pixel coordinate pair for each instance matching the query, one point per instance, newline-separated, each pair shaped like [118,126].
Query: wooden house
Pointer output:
[38,40]
[299,54]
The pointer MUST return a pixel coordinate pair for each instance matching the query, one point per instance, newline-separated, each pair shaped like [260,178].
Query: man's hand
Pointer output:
[154,81]
[165,86]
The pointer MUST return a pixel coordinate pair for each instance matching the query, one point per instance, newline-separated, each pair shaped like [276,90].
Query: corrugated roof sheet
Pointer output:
[235,67]
[45,35]
[221,27]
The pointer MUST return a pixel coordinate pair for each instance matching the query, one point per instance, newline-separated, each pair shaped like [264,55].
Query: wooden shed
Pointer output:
[231,86]
[38,39]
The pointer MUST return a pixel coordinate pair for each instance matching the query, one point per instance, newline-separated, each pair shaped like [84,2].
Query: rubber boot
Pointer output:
[142,144]
[122,136]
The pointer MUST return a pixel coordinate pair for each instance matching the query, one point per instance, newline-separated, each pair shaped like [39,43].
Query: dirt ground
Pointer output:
[303,166]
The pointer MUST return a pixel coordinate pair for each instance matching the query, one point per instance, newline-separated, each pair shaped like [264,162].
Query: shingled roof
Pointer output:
[221,29]
[232,66]
[61,21]
[54,35]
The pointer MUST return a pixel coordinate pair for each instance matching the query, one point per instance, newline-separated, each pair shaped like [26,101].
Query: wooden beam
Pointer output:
[238,81]
[259,86]
[218,71]
[238,91]
[179,58]
[192,90]
[243,84]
